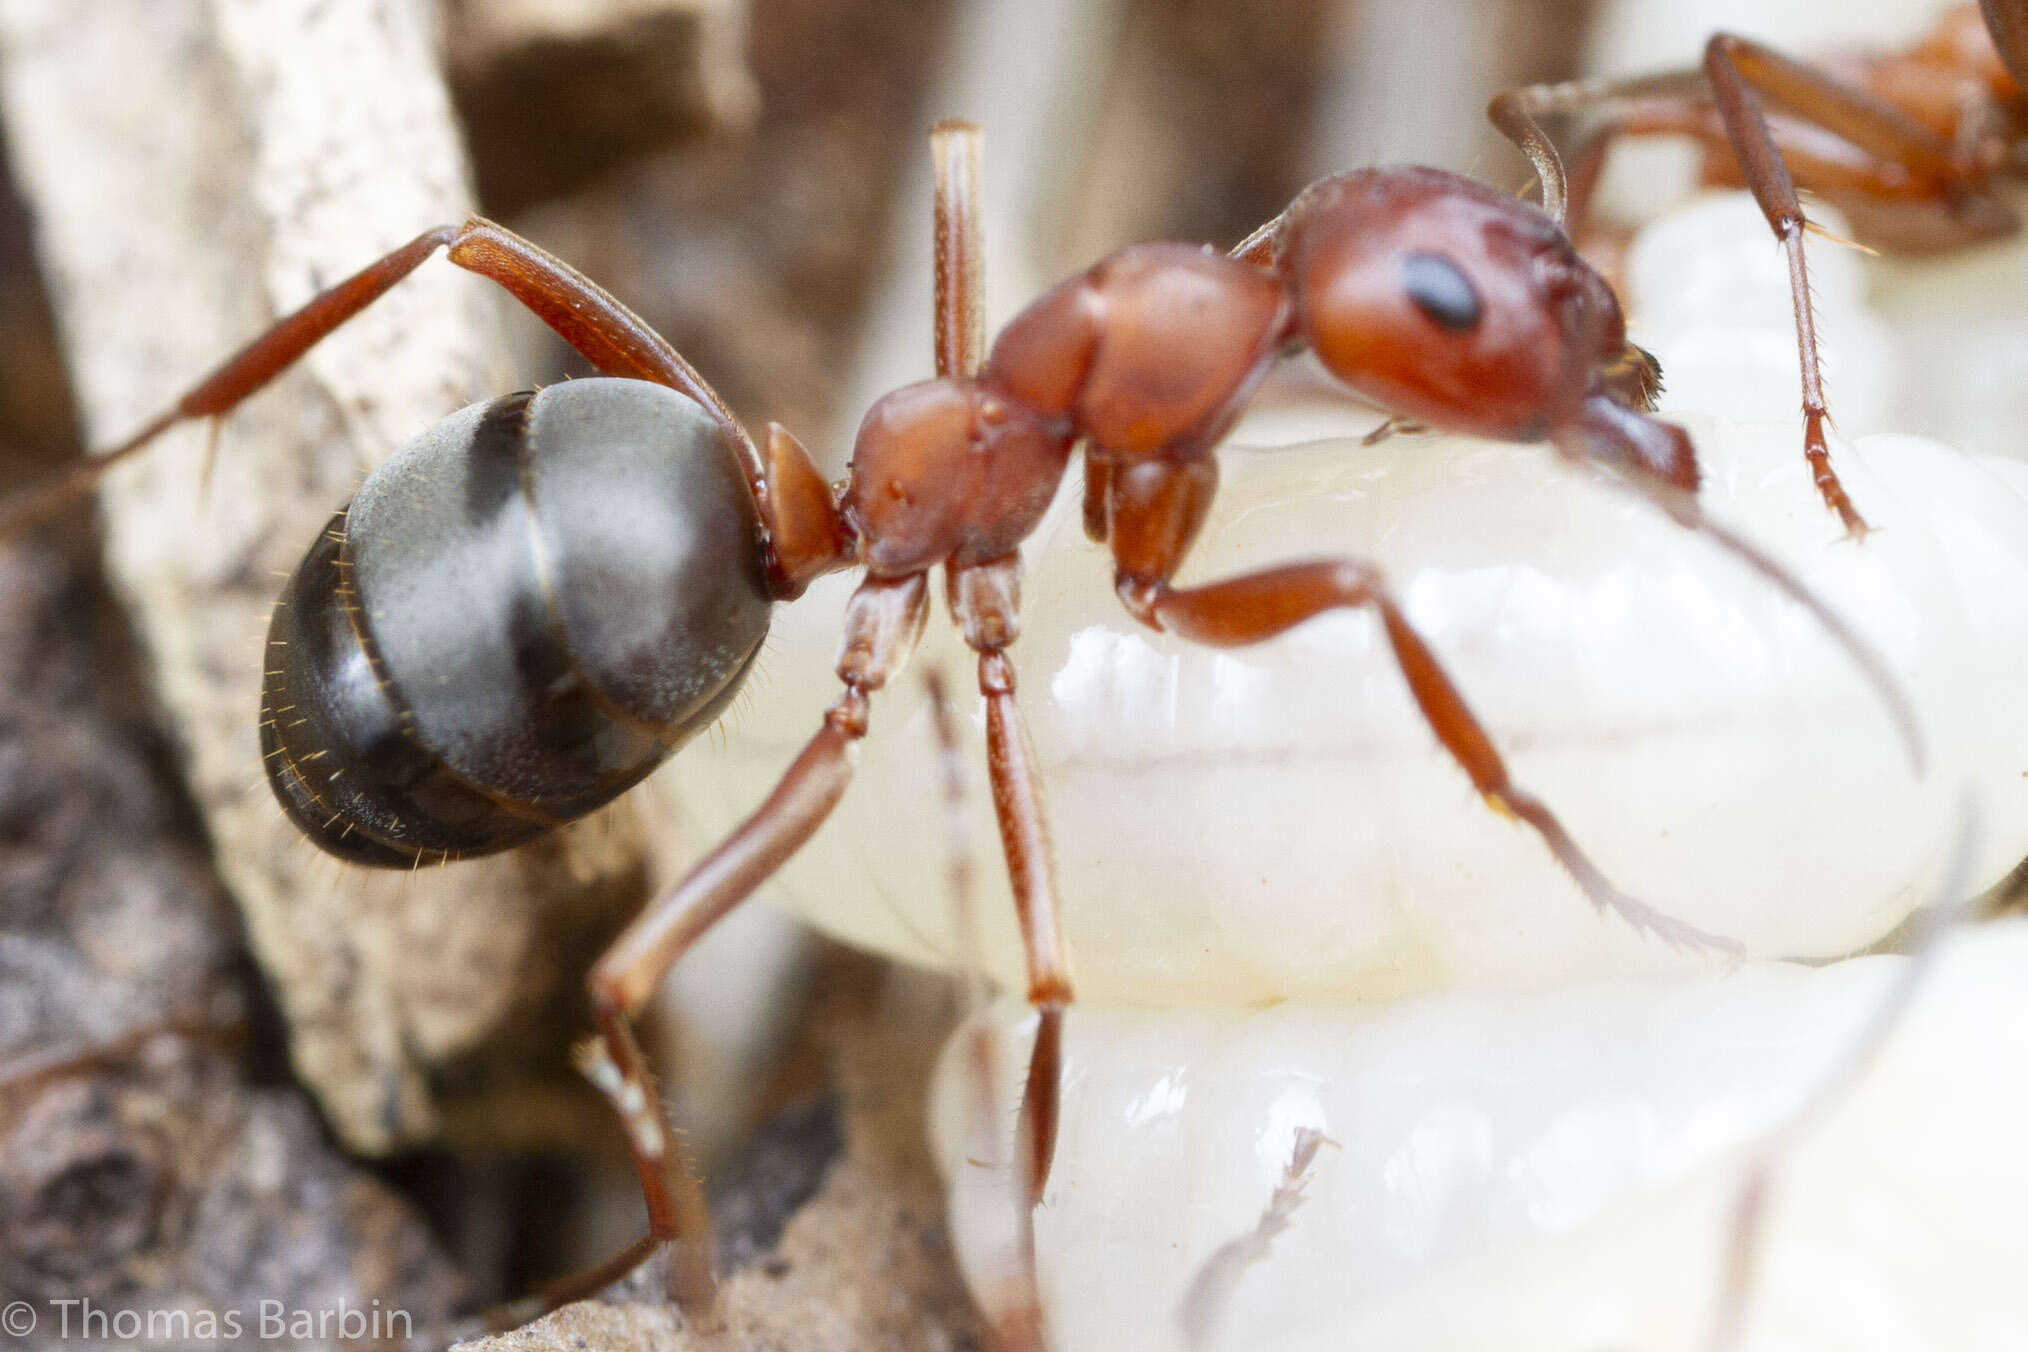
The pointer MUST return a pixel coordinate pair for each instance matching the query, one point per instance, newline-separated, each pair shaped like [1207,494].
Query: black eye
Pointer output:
[1440,291]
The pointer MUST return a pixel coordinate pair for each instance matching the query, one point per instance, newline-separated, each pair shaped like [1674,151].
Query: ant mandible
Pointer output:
[536,601]
[1914,144]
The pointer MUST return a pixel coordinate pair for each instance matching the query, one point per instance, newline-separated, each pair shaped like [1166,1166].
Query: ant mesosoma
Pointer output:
[1913,145]
[537,600]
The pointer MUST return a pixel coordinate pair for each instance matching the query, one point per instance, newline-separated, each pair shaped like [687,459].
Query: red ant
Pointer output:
[1912,145]
[583,574]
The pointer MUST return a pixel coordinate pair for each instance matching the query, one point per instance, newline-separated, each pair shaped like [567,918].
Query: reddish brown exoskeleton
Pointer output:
[1441,299]
[1913,145]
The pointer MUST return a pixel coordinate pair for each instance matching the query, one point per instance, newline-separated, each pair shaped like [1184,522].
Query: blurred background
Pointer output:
[751,177]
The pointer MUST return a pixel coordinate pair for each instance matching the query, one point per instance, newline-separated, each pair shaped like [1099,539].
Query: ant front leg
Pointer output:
[1158,508]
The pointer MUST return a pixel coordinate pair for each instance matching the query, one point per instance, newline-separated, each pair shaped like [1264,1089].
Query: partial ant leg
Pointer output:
[569,1290]
[986,600]
[1737,67]
[46,1063]
[1209,1294]
[1157,509]
[882,622]
[1395,426]
[2007,21]
[1657,459]
[238,376]
[615,340]
[1923,164]
[1750,1208]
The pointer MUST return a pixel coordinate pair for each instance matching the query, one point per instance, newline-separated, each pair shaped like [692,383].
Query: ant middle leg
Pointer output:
[1157,510]
[985,600]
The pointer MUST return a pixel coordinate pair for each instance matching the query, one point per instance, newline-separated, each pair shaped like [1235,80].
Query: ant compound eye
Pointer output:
[1441,291]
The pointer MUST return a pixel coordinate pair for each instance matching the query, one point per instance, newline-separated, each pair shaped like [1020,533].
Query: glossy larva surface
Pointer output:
[1547,1171]
[1279,822]
[1961,325]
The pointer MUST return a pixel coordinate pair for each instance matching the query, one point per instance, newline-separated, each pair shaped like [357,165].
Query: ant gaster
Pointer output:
[532,604]
[1914,145]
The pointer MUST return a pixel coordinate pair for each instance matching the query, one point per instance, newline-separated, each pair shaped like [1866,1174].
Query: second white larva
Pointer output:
[1542,1171]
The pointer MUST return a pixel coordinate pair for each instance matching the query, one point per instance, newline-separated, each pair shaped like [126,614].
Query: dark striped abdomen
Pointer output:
[520,615]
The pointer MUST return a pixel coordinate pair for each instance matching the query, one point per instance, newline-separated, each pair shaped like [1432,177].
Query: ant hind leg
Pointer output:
[610,336]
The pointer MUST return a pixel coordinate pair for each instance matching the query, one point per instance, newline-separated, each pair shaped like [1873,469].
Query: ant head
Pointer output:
[1444,300]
